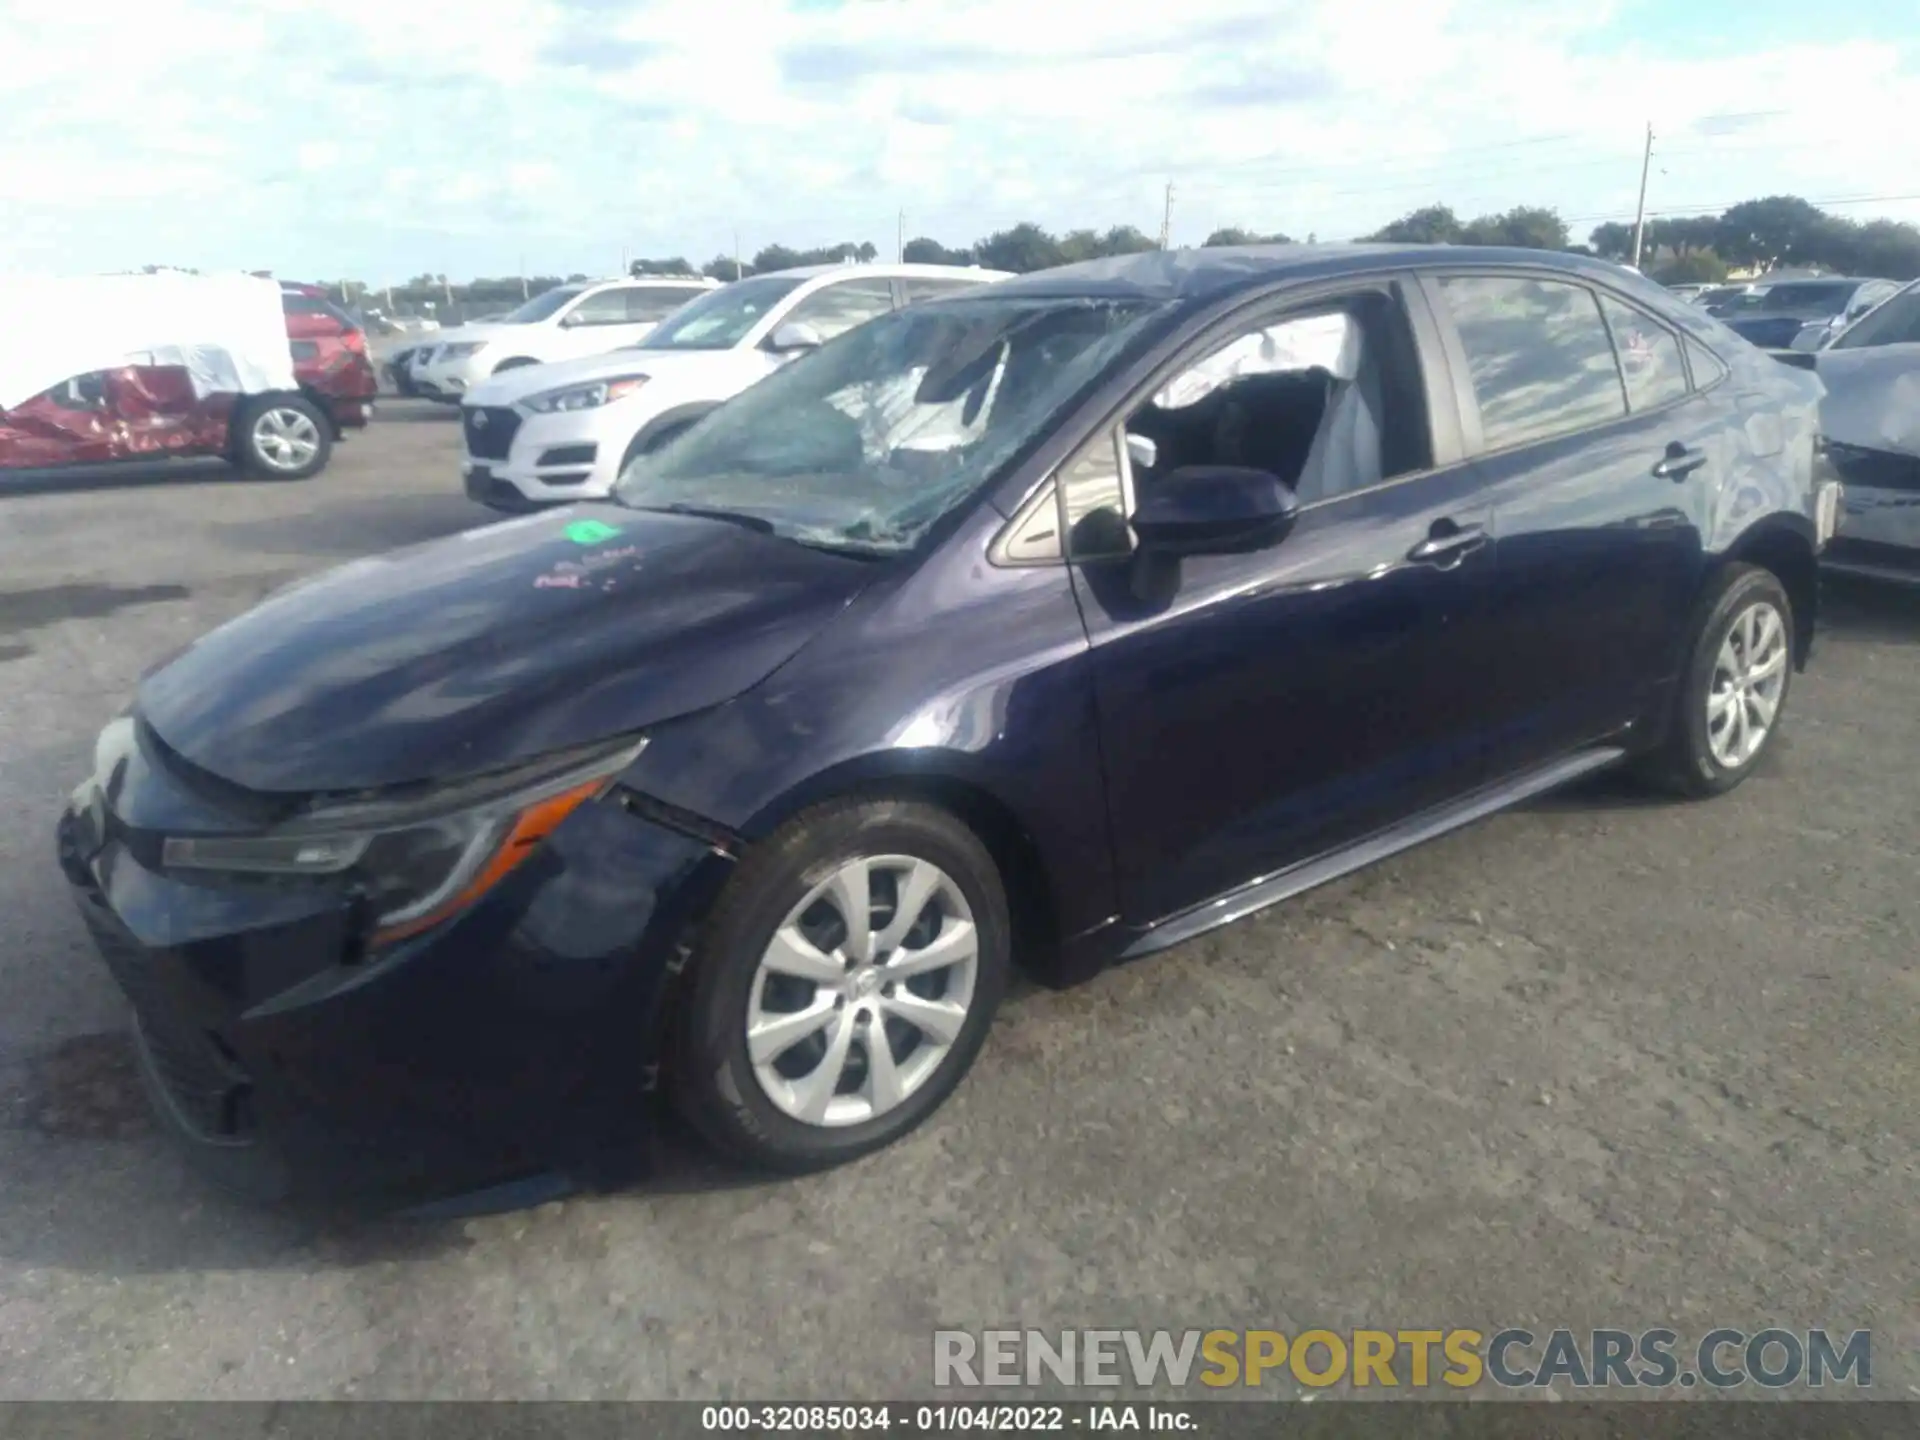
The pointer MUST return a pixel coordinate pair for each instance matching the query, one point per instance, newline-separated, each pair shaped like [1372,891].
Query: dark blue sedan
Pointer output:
[1050,624]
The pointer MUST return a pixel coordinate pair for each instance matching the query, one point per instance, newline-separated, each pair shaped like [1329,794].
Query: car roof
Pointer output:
[1217,271]
[906,270]
[702,281]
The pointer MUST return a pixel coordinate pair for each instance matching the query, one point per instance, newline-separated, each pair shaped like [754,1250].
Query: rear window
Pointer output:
[295,303]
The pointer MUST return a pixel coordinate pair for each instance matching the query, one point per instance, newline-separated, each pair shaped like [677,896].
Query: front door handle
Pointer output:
[1448,544]
[1680,461]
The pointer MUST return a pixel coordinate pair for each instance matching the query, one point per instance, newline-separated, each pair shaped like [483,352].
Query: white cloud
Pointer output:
[366,138]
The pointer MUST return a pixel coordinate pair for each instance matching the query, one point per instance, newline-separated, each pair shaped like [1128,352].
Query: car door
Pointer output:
[1257,710]
[1597,457]
[596,323]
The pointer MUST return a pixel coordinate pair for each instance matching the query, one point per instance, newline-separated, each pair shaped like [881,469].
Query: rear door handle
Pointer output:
[1680,462]
[1448,544]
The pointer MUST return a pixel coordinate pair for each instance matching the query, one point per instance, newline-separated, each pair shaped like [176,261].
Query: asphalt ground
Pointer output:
[1604,1061]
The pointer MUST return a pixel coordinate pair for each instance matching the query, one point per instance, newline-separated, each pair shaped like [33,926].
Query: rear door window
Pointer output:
[603,307]
[837,308]
[1650,359]
[648,304]
[1539,355]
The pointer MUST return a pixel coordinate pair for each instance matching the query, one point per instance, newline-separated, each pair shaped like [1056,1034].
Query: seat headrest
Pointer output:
[1325,342]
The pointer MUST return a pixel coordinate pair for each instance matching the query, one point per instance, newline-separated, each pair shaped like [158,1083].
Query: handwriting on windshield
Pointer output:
[580,574]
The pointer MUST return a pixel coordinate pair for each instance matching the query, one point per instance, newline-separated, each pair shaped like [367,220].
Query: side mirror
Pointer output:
[1215,510]
[1142,453]
[793,337]
[572,320]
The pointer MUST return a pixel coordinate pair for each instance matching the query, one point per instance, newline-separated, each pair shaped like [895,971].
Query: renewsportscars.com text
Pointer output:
[1721,1359]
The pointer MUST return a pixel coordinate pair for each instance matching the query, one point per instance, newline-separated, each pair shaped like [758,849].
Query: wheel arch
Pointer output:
[1784,546]
[676,417]
[943,779]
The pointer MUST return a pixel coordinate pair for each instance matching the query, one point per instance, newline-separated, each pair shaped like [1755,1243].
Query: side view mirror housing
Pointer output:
[1215,510]
[793,337]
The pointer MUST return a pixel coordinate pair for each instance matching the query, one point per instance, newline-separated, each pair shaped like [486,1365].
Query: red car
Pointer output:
[149,412]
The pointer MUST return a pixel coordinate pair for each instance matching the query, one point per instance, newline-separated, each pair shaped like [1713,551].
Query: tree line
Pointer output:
[1774,232]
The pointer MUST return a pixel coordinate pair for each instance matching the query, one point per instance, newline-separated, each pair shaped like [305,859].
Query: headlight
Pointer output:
[462,350]
[419,859]
[584,397]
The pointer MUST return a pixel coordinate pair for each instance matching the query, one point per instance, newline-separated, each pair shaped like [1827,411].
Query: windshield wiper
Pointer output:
[713,512]
[852,549]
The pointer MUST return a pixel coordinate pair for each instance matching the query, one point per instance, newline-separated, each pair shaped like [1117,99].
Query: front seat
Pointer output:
[1345,454]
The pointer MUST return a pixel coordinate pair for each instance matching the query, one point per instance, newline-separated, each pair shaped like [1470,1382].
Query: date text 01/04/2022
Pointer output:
[943,1418]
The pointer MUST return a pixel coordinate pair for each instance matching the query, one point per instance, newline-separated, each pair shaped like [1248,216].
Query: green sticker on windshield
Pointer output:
[590,532]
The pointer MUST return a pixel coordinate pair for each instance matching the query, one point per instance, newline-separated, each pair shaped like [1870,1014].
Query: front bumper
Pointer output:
[518,1039]
[448,380]
[523,460]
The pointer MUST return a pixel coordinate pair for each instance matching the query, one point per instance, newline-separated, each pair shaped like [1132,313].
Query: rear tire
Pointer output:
[281,437]
[811,1089]
[1732,695]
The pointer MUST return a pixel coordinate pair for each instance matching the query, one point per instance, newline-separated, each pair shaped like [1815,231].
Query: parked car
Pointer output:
[1233,571]
[172,366]
[1775,316]
[1871,420]
[558,324]
[399,366]
[1689,291]
[555,434]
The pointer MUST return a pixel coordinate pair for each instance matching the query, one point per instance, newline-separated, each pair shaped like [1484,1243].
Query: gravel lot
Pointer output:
[1603,1061]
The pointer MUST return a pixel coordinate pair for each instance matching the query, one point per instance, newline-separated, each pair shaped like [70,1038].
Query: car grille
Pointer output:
[489,430]
[207,1090]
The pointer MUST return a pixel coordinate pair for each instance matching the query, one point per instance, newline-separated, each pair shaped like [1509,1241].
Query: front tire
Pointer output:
[812,1033]
[282,437]
[1733,693]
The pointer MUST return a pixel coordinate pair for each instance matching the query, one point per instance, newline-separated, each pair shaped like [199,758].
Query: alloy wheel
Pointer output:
[1749,676]
[862,990]
[285,439]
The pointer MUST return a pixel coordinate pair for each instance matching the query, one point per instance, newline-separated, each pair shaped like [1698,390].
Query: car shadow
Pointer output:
[408,410]
[124,475]
[1870,610]
[106,1191]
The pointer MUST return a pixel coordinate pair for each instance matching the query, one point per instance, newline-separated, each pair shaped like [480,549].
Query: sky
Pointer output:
[374,140]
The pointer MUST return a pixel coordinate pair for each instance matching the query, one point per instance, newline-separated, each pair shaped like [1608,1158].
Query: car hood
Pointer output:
[491,647]
[683,366]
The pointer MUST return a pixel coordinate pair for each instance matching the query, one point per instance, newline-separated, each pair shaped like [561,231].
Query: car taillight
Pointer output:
[356,341]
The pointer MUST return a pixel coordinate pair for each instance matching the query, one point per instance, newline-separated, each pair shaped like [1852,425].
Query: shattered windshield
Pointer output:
[865,443]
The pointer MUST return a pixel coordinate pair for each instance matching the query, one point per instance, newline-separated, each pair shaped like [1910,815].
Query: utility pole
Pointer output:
[1166,219]
[523,276]
[900,239]
[1640,210]
[736,254]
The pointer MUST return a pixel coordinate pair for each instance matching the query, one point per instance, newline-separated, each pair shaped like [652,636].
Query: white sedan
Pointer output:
[555,434]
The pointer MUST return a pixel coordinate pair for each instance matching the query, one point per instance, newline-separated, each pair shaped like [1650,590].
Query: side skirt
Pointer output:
[1258,894]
